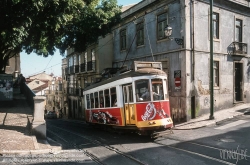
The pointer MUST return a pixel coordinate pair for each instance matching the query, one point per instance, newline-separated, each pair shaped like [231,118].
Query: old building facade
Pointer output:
[83,69]
[185,55]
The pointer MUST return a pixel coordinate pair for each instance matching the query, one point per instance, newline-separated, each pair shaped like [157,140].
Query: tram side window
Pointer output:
[142,90]
[157,89]
[166,93]
[96,100]
[101,99]
[131,99]
[92,100]
[113,97]
[88,101]
[107,100]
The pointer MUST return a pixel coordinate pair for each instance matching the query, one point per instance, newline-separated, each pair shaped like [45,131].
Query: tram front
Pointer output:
[152,105]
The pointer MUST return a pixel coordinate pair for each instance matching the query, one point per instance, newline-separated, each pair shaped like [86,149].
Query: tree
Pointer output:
[42,26]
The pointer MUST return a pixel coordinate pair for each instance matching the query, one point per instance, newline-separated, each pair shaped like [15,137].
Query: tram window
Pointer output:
[142,90]
[107,100]
[125,94]
[130,94]
[166,94]
[96,100]
[92,100]
[101,99]
[157,89]
[113,97]
[88,101]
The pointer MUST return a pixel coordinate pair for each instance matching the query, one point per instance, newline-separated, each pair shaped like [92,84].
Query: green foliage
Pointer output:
[42,26]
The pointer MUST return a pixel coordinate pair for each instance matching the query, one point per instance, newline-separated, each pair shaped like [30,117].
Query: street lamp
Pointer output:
[168,31]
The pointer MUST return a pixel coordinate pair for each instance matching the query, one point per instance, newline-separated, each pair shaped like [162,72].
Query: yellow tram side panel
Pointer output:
[154,123]
[125,115]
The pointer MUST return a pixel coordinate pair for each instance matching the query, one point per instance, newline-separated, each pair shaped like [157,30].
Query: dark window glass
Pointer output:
[113,97]
[92,100]
[88,101]
[216,73]
[238,31]
[107,98]
[216,25]
[162,20]
[101,99]
[157,89]
[96,100]
[142,90]
[140,34]
[123,39]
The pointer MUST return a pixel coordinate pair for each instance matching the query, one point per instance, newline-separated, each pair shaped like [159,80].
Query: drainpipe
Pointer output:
[211,64]
[191,41]
[192,94]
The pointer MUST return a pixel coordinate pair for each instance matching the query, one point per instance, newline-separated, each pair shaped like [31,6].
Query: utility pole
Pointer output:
[211,64]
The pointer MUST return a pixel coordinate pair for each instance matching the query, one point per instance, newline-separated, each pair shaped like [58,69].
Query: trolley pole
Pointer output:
[211,64]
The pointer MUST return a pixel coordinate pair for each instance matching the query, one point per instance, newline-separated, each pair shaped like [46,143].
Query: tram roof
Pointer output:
[131,73]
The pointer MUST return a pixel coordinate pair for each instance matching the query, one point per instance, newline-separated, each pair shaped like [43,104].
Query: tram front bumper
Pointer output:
[155,124]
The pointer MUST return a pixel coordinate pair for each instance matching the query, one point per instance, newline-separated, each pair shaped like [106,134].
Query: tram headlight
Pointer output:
[151,122]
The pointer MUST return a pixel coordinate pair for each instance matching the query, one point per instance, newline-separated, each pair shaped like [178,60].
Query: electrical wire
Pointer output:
[150,44]
[112,39]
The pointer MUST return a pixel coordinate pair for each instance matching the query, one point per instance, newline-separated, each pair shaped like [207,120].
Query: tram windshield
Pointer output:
[149,92]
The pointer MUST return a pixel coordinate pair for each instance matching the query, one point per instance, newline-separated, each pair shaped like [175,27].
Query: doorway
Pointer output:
[238,82]
[193,107]
[128,104]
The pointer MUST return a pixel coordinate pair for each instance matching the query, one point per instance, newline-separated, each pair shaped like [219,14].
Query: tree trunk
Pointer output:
[4,57]
[2,65]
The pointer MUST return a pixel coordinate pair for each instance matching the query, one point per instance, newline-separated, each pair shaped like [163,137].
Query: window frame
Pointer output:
[216,22]
[157,87]
[107,98]
[216,70]
[240,30]
[140,93]
[123,39]
[113,92]
[161,23]
[140,34]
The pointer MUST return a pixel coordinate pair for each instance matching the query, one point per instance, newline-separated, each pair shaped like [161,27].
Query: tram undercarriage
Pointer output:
[153,132]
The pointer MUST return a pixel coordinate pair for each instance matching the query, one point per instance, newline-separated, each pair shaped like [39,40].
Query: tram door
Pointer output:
[129,106]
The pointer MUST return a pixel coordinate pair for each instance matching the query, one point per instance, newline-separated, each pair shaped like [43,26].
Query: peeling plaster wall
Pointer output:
[224,94]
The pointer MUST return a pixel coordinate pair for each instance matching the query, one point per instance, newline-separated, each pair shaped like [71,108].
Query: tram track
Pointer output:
[93,156]
[206,151]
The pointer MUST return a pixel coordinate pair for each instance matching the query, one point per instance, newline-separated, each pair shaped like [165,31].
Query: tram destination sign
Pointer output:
[142,64]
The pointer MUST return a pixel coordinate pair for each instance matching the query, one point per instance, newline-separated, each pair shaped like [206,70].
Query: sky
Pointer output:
[33,64]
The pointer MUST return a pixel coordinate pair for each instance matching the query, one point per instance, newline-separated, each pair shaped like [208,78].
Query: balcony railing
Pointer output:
[239,48]
[91,65]
[76,68]
[66,70]
[83,68]
[71,69]
[77,91]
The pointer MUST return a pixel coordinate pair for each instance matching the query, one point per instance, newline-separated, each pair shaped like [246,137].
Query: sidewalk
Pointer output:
[220,115]
[15,129]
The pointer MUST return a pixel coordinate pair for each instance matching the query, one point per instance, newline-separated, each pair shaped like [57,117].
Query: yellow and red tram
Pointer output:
[134,100]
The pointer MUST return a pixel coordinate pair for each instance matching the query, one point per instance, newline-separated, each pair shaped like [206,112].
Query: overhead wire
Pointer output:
[108,42]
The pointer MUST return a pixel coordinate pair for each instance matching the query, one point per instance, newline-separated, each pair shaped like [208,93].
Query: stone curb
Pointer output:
[208,124]
[36,151]
[25,152]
